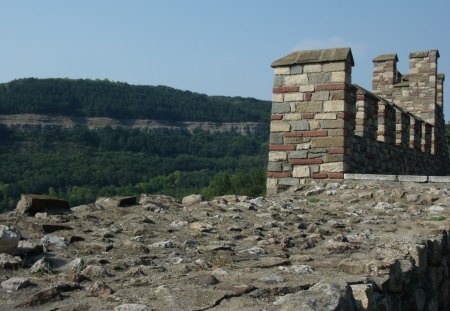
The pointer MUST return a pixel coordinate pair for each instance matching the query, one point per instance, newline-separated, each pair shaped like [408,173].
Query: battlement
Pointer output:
[324,126]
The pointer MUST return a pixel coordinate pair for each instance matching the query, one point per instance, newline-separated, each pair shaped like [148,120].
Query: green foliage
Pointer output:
[313,200]
[251,183]
[438,218]
[80,164]
[102,98]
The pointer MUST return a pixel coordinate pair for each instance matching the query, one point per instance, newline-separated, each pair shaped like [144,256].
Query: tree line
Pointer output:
[103,98]
[81,164]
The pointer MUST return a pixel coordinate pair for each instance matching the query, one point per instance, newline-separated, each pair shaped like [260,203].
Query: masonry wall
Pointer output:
[324,126]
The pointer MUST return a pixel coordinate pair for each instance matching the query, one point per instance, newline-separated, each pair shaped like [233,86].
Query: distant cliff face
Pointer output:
[34,121]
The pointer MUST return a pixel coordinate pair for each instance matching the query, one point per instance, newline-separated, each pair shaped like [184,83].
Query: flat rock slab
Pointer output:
[31,204]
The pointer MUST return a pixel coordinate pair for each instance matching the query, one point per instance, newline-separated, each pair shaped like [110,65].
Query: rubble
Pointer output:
[372,245]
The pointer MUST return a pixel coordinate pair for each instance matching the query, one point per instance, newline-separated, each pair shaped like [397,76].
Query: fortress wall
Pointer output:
[324,126]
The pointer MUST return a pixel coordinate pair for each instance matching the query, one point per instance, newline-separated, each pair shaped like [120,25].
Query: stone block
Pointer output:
[274,167]
[370,177]
[302,125]
[323,142]
[281,107]
[294,140]
[279,126]
[335,132]
[293,97]
[337,95]
[32,204]
[324,95]
[339,76]
[277,155]
[299,154]
[277,98]
[439,179]
[312,68]
[296,80]
[282,71]
[300,171]
[304,146]
[332,124]
[334,105]
[293,116]
[296,69]
[288,181]
[332,167]
[325,116]
[306,88]
[334,66]
[319,78]
[412,178]
[278,81]
[333,157]
[276,138]
[309,107]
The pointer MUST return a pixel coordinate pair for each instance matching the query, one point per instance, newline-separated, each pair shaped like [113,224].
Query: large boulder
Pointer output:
[31,204]
[9,239]
[192,199]
[325,295]
[117,201]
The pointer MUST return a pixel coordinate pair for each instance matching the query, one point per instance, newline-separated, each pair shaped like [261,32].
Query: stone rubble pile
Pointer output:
[326,246]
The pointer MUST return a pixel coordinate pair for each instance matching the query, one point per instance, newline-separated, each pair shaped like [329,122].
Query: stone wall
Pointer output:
[324,126]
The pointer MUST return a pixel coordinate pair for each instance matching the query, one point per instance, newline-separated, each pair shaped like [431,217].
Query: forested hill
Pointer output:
[102,98]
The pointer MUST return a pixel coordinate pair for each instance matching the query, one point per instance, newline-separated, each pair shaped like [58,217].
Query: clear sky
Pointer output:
[210,46]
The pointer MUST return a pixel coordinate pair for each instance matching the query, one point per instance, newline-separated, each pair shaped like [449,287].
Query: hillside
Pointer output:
[95,98]
[79,139]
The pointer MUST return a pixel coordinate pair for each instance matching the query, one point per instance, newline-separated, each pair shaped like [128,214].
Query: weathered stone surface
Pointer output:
[301,171]
[15,283]
[206,255]
[322,296]
[32,204]
[8,261]
[9,239]
[192,199]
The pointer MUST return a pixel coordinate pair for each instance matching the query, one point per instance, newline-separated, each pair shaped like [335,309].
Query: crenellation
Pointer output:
[330,127]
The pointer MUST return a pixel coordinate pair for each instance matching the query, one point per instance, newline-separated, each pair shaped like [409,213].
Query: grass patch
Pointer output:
[313,200]
[438,218]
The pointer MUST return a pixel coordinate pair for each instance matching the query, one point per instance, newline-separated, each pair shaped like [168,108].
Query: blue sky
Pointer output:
[210,46]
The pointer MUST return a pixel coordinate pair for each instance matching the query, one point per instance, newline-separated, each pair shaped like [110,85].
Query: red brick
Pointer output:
[319,133]
[308,116]
[285,89]
[319,175]
[279,174]
[306,161]
[331,87]
[336,150]
[293,134]
[277,116]
[336,175]
[273,147]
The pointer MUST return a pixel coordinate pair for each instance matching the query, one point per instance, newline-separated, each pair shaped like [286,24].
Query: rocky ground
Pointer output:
[330,246]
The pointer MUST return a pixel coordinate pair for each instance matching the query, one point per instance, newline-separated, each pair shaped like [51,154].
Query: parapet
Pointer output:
[323,126]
